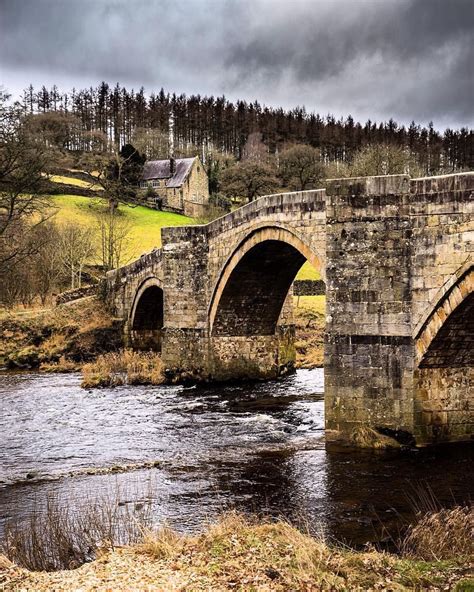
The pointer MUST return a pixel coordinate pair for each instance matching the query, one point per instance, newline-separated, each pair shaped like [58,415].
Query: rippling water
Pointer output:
[255,447]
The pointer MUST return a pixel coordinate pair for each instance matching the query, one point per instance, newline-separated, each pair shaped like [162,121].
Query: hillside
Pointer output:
[145,224]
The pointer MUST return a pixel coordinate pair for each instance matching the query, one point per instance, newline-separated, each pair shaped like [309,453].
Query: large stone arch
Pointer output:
[444,376]
[145,321]
[268,257]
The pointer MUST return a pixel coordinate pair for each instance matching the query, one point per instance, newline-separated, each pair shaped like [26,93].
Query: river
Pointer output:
[192,452]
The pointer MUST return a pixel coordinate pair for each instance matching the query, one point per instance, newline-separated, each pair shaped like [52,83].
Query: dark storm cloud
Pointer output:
[372,58]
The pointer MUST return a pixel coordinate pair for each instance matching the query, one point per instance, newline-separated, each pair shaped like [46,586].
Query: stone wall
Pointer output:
[394,248]
[309,287]
[369,349]
[196,191]
[123,288]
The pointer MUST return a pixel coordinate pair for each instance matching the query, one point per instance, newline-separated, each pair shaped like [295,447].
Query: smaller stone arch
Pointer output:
[145,322]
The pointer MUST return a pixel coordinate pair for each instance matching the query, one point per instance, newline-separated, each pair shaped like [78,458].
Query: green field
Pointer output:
[145,225]
[308,272]
[314,305]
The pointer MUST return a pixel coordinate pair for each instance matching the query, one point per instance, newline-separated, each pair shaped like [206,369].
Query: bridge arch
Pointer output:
[452,318]
[146,315]
[444,377]
[251,289]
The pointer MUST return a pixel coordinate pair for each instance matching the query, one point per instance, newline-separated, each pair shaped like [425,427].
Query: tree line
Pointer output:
[106,134]
[208,125]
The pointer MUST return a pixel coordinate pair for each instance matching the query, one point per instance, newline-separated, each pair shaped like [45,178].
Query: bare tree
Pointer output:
[384,159]
[117,172]
[76,246]
[23,207]
[301,167]
[47,265]
[113,234]
[154,143]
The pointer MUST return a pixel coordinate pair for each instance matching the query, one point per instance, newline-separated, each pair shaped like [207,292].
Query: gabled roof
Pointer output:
[160,169]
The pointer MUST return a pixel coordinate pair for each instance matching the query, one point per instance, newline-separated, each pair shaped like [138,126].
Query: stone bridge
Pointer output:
[397,258]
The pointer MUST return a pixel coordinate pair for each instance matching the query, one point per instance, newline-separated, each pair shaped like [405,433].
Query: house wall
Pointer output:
[196,191]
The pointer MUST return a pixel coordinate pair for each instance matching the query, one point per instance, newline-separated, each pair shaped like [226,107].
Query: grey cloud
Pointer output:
[371,58]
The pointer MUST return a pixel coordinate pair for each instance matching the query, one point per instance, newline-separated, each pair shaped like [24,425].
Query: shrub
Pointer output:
[123,367]
[63,536]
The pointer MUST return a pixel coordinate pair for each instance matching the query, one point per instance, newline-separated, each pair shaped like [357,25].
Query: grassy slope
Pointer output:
[145,223]
[64,337]
[308,272]
[310,319]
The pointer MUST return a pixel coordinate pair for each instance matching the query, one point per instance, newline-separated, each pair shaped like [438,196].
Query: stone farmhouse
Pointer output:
[179,185]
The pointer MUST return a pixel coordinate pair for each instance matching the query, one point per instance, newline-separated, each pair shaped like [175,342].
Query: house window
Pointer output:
[155,183]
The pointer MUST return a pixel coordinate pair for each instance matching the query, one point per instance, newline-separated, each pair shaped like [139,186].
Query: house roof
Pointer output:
[160,169]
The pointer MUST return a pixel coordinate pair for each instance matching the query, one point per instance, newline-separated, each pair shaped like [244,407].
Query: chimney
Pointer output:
[171,144]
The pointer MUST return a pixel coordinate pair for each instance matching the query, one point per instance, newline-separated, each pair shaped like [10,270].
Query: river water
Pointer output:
[192,452]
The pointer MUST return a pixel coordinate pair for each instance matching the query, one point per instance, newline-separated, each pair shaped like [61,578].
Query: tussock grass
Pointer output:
[445,534]
[58,536]
[58,338]
[123,367]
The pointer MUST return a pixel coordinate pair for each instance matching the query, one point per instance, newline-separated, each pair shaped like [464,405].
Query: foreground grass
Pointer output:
[123,367]
[238,553]
[58,339]
[310,319]
[145,223]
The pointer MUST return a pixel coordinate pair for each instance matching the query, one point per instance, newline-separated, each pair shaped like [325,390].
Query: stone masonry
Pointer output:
[396,256]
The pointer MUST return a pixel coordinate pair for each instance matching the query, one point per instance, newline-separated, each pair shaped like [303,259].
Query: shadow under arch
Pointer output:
[146,316]
[252,287]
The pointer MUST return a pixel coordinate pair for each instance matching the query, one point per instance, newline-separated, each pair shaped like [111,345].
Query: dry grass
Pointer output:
[123,367]
[238,553]
[62,365]
[445,534]
[365,437]
[58,536]
[310,319]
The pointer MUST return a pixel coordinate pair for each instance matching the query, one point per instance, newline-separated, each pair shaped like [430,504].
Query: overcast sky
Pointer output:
[407,59]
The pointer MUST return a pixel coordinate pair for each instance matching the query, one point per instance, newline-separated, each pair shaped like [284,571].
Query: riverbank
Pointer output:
[237,553]
[64,338]
[60,339]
